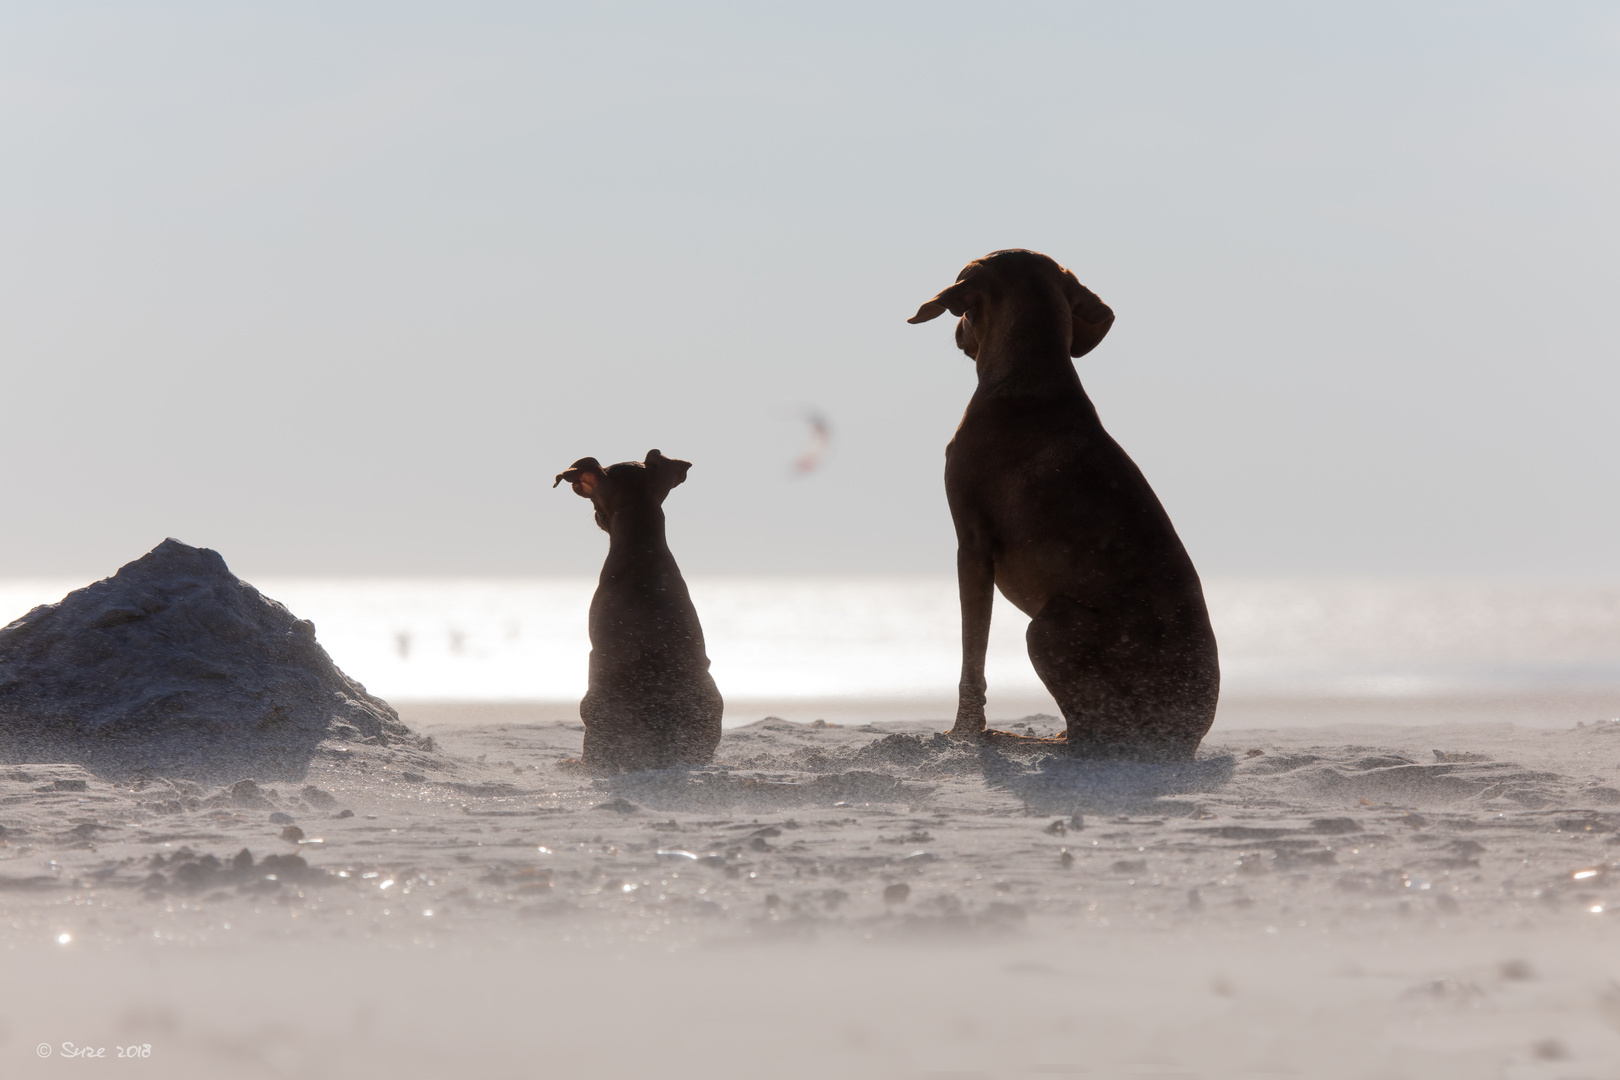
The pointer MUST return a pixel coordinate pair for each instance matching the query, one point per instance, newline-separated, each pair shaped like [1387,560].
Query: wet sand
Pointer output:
[1343,899]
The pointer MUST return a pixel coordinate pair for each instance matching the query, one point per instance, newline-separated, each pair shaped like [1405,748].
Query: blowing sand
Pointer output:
[861,900]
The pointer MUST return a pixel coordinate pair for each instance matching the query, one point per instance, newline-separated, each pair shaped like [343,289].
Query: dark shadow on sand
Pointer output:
[1062,785]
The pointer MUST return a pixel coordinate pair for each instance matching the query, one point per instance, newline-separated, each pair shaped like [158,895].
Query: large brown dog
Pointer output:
[652,702]
[1050,509]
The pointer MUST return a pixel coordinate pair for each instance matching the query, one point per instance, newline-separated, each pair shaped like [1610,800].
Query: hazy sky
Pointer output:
[339,288]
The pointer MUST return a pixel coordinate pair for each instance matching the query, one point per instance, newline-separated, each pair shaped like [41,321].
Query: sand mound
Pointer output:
[175,664]
[907,766]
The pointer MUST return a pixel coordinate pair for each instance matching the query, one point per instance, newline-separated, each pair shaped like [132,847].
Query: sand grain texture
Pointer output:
[862,901]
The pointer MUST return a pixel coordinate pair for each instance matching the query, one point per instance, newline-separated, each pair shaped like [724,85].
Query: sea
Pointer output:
[896,639]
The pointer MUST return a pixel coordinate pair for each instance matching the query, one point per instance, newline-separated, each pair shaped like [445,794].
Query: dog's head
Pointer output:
[1019,284]
[627,484]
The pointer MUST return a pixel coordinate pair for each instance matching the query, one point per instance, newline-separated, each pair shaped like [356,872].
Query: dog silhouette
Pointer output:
[1049,509]
[651,702]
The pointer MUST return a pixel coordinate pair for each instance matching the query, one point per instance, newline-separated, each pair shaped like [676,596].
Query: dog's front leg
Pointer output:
[976,581]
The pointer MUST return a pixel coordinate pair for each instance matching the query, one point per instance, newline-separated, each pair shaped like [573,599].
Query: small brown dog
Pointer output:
[1049,509]
[652,702]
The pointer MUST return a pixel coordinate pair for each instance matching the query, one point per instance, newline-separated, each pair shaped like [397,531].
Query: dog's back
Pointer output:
[652,702]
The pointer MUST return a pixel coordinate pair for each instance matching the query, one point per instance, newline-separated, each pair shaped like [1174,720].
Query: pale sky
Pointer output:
[338,288]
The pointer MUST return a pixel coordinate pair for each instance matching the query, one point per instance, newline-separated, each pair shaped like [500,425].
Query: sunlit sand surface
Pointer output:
[860,900]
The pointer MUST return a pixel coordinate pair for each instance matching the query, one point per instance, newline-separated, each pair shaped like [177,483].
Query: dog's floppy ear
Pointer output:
[584,475]
[1092,317]
[953,300]
[666,472]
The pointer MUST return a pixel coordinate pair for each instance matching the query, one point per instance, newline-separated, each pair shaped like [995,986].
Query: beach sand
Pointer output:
[1429,897]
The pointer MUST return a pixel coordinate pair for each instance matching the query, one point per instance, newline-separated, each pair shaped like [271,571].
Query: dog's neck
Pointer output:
[636,543]
[1026,352]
